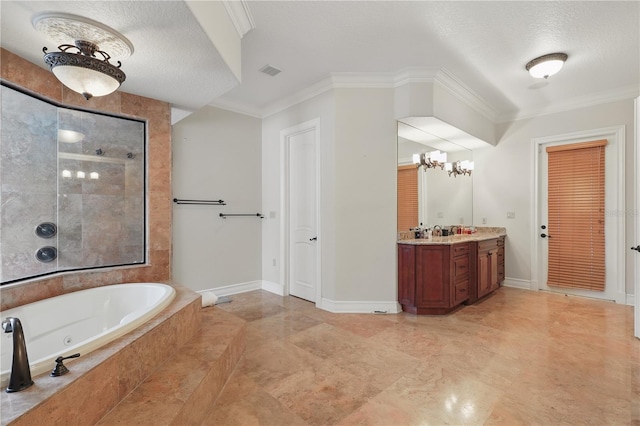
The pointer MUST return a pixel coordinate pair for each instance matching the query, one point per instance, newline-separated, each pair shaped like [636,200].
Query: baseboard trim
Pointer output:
[517,283]
[272,287]
[235,288]
[630,300]
[360,307]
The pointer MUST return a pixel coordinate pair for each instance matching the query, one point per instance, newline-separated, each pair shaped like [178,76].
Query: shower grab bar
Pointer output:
[201,202]
[224,216]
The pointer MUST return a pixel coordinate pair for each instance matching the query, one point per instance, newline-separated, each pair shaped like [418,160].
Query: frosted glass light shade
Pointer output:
[84,72]
[547,65]
[84,80]
[416,158]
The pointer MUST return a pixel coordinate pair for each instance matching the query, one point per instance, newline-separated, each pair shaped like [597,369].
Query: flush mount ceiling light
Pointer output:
[83,67]
[547,65]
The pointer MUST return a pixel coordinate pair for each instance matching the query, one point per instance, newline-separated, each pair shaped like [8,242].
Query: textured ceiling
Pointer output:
[173,59]
[484,44]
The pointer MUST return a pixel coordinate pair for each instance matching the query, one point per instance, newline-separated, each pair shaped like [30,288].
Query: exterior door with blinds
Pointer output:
[573,219]
[408,199]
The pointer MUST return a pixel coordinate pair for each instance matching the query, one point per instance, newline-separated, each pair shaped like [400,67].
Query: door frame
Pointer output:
[636,291]
[285,221]
[616,274]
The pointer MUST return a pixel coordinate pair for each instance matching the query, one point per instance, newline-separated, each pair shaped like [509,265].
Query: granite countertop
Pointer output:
[481,235]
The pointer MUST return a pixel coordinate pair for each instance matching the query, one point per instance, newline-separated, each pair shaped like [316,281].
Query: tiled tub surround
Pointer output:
[96,383]
[34,79]
[100,221]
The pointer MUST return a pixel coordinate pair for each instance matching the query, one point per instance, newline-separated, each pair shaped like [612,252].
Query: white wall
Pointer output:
[502,177]
[322,107]
[366,209]
[217,155]
[358,190]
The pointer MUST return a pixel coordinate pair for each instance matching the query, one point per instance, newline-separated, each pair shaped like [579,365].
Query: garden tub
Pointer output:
[81,322]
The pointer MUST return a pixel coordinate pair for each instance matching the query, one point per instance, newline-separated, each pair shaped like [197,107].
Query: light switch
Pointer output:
[511,215]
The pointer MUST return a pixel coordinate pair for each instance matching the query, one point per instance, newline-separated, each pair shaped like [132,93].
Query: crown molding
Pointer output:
[464,93]
[440,76]
[415,75]
[237,108]
[240,15]
[350,80]
[620,94]
[305,94]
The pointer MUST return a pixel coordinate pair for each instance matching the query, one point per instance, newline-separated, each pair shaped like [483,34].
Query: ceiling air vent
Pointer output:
[272,71]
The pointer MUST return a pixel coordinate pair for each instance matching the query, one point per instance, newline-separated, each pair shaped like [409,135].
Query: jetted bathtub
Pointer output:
[81,321]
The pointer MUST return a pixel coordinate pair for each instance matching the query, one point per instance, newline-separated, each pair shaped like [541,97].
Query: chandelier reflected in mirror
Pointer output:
[430,160]
[464,167]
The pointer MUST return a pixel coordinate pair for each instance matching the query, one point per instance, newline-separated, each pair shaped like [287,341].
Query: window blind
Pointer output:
[407,197]
[576,182]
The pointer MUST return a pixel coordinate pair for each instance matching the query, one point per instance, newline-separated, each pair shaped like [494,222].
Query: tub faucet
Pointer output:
[20,371]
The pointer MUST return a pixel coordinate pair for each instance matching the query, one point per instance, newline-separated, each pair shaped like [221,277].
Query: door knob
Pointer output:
[545,236]
[636,248]
[313,239]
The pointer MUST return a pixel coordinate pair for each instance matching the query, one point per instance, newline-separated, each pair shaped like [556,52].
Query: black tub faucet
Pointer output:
[20,371]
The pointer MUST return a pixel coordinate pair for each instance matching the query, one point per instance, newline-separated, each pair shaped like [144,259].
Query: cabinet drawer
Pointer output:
[460,249]
[487,245]
[461,292]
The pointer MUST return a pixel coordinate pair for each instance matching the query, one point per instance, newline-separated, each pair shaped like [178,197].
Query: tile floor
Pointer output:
[518,357]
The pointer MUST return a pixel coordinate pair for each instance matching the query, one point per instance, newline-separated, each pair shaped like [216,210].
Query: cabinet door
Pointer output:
[484,273]
[494,279]
[432,277]
[406,275]
[500,260]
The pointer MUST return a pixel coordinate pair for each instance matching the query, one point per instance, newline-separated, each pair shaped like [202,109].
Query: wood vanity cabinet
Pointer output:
[488,268]
[433,279]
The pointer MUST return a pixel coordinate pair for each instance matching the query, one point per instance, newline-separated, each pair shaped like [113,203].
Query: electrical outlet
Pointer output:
[484,220]
[440,215]
[274,261]
[511,215]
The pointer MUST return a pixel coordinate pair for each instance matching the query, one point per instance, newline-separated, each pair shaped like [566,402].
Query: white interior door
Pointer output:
[303,220]
[614,226]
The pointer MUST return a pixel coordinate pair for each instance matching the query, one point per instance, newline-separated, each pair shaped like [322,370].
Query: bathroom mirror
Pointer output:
[72,188]
[431,196]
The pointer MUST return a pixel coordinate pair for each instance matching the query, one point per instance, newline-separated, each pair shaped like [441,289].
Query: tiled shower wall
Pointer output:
[32,78]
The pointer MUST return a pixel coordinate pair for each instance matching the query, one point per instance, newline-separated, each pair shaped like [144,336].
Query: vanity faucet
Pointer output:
[20,371]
